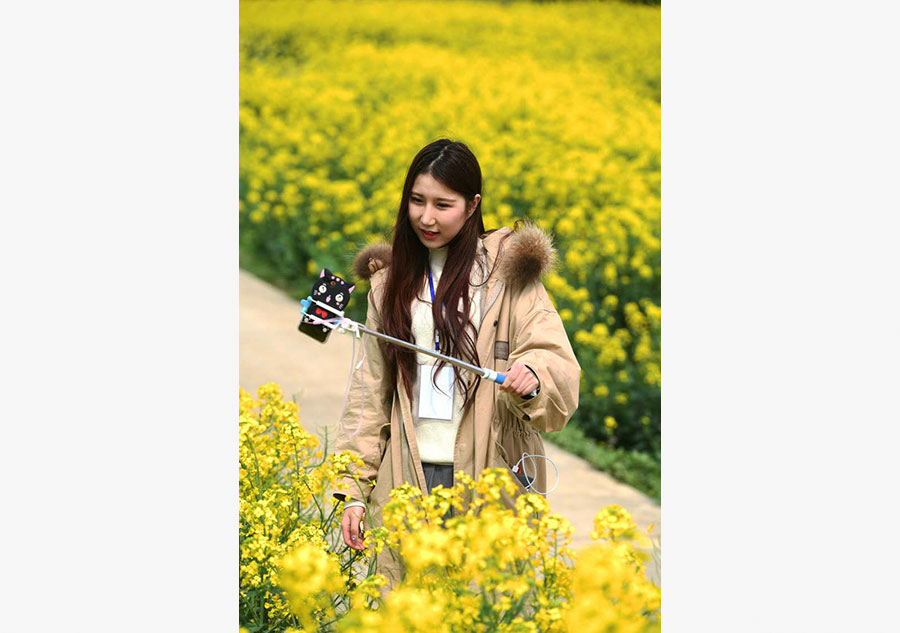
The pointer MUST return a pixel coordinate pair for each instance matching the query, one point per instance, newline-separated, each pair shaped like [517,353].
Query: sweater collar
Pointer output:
[438,256]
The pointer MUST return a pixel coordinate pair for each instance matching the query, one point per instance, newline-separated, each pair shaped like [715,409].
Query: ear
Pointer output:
[350,289]
[322,274]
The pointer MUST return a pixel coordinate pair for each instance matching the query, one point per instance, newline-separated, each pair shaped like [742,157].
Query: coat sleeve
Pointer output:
[539,341]
[367,415]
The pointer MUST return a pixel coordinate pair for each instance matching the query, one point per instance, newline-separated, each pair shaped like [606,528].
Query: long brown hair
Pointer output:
[455,166]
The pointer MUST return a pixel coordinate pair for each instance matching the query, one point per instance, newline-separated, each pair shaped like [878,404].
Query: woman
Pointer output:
[416,420]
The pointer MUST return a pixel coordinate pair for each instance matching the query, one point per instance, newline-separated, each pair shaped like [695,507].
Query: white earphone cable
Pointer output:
[529,487]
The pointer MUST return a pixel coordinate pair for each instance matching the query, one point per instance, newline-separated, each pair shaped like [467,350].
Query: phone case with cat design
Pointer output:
[331,290]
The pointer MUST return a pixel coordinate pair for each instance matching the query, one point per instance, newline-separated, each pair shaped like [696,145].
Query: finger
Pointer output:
[361,530]
[345,528]
[511,375]
[354,530]
[355,536]
[527,384]
[518,383]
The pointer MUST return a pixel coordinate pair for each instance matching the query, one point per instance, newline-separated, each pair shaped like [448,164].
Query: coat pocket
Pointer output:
[514,439]
[501,461]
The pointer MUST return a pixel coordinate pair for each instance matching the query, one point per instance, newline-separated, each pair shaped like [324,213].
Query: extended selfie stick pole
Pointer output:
[490,374]
[342,324]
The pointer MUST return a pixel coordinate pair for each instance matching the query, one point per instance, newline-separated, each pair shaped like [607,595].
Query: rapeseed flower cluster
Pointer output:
[560,103]
[288,535]
[478,556]
[612,573]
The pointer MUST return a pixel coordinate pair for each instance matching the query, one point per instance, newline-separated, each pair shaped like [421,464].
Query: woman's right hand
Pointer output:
[350,526]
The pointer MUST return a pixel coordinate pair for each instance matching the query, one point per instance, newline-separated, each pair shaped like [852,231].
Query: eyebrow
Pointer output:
[416,193]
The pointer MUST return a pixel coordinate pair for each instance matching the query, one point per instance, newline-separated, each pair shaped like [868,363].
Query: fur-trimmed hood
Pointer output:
[526,254]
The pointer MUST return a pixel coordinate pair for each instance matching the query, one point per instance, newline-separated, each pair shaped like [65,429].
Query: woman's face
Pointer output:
[436,212]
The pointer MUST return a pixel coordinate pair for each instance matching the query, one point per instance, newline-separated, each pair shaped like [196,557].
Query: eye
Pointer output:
[339,297]
[322,288]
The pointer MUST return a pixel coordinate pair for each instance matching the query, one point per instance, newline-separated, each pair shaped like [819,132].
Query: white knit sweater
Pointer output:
[436,438]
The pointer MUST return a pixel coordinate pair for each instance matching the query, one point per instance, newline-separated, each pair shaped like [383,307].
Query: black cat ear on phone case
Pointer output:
[332,291]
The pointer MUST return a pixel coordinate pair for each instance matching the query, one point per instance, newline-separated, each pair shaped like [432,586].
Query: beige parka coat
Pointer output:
[519,324]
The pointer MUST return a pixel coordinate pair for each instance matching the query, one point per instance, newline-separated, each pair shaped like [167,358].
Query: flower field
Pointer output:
[560,102]
[491,567]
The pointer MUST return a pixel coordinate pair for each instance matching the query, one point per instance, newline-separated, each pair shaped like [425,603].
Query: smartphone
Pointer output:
[331,290]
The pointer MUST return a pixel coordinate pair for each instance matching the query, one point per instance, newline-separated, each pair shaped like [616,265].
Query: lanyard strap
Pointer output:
[437,339]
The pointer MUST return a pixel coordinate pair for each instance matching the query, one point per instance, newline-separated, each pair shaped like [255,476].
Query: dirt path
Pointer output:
[315,375]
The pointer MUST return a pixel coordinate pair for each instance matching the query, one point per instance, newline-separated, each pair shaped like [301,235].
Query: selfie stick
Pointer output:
[344,324]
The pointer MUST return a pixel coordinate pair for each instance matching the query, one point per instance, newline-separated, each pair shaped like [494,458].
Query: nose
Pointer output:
[428,215]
